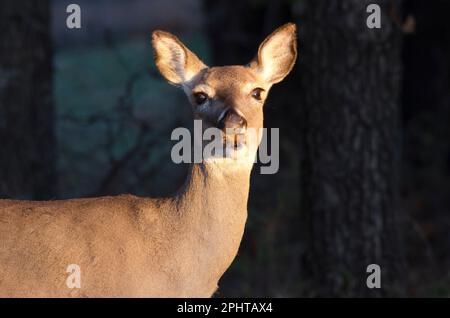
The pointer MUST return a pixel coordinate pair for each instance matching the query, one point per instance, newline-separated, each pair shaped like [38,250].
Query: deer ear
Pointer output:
[277,54]
[174,61]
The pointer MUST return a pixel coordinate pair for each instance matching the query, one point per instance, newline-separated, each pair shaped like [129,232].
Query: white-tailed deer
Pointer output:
[129,246]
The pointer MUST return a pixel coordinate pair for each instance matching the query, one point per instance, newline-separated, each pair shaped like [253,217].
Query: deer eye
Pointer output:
[200,98]
[256,93]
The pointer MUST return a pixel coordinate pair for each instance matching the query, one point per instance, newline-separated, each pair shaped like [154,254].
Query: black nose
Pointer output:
[229,118]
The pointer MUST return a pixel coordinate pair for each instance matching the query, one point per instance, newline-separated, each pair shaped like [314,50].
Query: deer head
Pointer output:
[229,98]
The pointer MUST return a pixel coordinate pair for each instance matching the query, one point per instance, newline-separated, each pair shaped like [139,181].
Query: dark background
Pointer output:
[364,129]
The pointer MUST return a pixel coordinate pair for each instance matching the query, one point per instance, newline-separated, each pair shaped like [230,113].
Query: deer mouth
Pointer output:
[234,141]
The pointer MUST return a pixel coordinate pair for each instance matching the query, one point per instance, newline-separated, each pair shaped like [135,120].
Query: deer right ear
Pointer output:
[174,61]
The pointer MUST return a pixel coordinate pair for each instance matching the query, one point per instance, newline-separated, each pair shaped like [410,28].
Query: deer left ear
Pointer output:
[277,54]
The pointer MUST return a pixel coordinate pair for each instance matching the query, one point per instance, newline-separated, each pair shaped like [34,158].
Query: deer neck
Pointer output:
[214,192]
[214,212]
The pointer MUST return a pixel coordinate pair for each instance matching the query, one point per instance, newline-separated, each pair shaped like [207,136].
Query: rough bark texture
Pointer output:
[26,109]
[350,83]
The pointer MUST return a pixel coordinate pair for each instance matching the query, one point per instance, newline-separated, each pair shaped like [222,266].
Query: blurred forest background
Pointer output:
[364,129]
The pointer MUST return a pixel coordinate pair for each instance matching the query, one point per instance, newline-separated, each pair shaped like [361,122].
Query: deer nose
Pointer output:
[230,119]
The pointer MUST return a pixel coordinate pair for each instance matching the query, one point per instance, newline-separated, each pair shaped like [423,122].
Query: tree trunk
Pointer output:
[350,148]
[27,160]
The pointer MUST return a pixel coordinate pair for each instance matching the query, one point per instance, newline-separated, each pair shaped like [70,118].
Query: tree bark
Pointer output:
[27,160]
[350,148]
